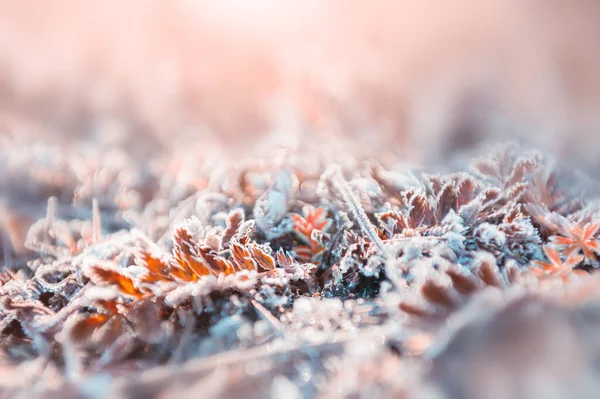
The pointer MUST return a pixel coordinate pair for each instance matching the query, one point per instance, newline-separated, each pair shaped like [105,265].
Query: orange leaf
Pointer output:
[186,254]
[153,263]
[217,264]
[84,328]
[181,274]
[284,258]
[312,219]
[261,257]
[235,219]
[109,275]
[241,257]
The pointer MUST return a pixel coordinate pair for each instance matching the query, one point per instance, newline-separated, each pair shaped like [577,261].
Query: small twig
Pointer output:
[353,203]
[7,249]
[50,214]
[276,323]
[419,237]
[96,222]
[336,177]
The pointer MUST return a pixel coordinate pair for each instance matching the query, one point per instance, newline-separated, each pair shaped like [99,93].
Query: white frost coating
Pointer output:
[269,209]
[284,388]
[489,233]
[454,222]
[335,175]
[455,241]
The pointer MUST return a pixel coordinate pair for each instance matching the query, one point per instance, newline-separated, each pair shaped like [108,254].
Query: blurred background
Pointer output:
[425,77]
[118,100]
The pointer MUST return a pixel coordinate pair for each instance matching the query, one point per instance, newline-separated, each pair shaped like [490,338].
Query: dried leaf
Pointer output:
[242,258]
[437,295]
[262,258]
[311,219]
[186,254]
[579,239]
[421,212]
[86,325]
[512,273]
[447,200]
[461,282]
[284,259]
[234,221]
[413,310]
[157,268]
[489,196]
[488,272]
[514,214]
[217,264]
[109,275]
[520,170]
[466,191]
[516,192]
[556,267]
[392,222]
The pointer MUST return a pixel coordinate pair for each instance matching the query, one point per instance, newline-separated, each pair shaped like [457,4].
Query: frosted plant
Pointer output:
[283,269]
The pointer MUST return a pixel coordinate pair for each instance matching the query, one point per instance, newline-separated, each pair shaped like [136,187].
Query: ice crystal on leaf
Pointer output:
[557,267]
[254,266]
[312,218]
[579,239]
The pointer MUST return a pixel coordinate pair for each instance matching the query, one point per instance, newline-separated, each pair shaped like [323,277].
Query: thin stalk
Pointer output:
[337,179]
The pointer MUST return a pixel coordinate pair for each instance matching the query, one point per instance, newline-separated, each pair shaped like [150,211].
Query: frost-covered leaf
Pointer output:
[107,274]
[269,210]
[186,254]
[235,219]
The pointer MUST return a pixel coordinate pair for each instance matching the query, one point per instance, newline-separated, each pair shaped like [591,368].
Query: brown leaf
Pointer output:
[437,295]
[466,191]
[413,310]
[104,274]
[490,195]
[516,192]
[83,328]
[234,221]
[551,221]
[512,273]
[178,273]
[186,254]
[244,232]
[157,269]
[421,212]
[436,183]
[520,170]
[262,258]
[514,214]
[488,168]
[447,200]
[242,257]
[461,282]
[217,264]
[284,258]
[393,222]
[488,272]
